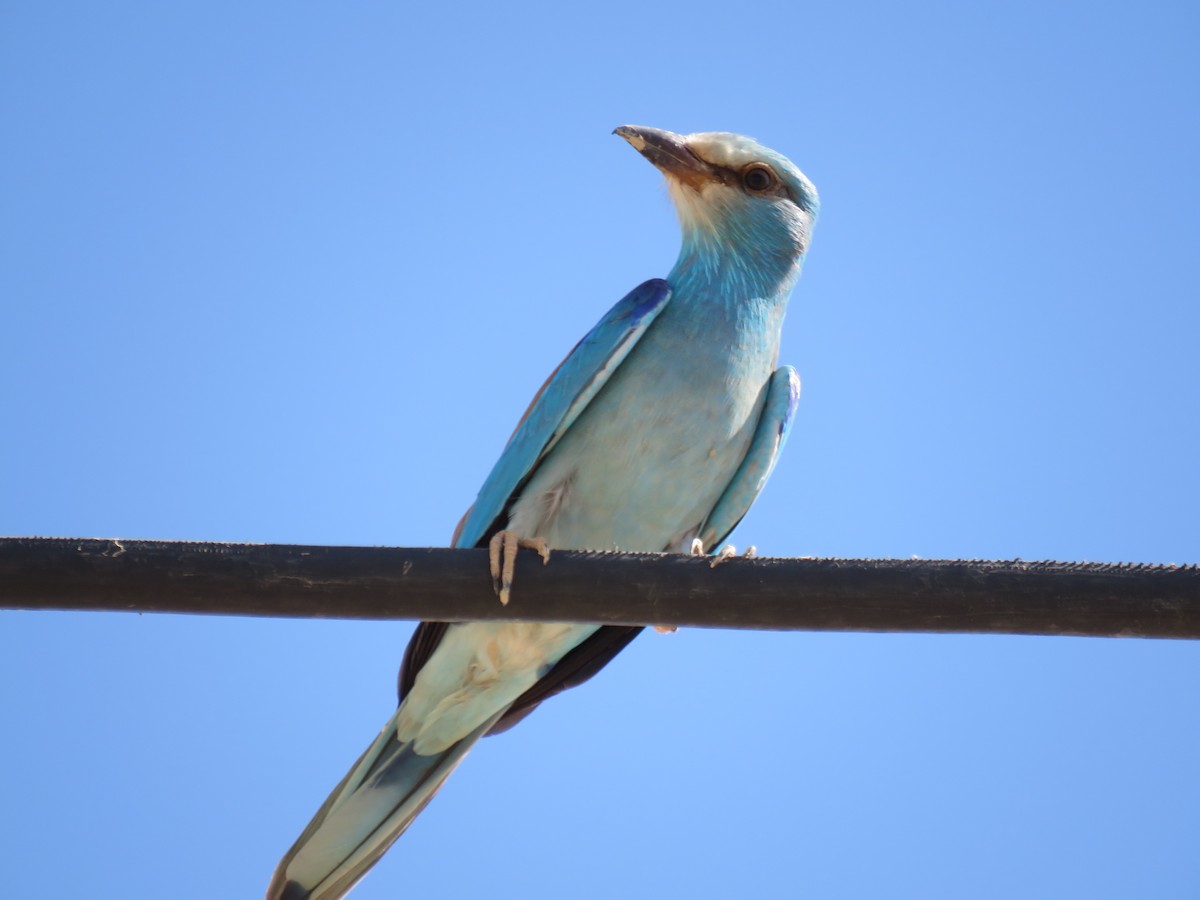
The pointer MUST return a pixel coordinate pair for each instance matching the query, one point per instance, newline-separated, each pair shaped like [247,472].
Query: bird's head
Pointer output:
[746,211]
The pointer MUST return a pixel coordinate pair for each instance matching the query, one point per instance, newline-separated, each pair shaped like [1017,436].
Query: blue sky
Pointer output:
[290,272]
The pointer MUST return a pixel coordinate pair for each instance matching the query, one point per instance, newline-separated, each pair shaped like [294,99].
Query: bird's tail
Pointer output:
[379,797]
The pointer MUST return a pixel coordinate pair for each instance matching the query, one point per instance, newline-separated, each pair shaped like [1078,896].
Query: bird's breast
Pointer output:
[650,456]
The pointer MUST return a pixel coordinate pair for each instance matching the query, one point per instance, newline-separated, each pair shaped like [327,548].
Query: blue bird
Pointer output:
[656,433]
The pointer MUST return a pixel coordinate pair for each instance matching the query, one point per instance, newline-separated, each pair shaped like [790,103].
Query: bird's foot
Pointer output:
[502,557]
[727,552]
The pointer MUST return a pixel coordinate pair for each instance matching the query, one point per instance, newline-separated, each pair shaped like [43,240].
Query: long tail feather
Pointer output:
[371,807]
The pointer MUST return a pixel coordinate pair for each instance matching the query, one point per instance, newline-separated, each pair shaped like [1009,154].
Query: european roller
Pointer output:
[656,433]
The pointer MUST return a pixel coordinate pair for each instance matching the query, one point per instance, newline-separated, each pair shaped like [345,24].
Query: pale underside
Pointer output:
[635,472]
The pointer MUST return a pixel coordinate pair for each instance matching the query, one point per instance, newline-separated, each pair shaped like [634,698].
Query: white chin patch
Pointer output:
[696,208]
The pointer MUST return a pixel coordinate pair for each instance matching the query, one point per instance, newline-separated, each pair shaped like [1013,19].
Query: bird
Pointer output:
[656,433]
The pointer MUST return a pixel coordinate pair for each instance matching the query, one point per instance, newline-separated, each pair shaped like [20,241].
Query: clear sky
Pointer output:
[289,272]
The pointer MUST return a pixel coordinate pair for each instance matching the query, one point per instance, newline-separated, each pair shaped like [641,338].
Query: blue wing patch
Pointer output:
[572,386]
[783,393]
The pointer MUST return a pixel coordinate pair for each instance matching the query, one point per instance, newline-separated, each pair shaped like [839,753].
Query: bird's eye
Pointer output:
[758,179]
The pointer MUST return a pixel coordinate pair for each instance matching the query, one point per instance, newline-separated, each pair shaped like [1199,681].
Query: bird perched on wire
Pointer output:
[656,433]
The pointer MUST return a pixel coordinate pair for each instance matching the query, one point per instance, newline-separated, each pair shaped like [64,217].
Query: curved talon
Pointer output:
[697,548]
[502,559]
[727,552]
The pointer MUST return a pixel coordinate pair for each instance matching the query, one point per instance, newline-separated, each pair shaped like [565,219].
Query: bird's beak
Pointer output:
[669,152]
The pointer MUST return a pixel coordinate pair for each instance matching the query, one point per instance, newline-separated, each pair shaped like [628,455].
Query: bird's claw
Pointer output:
[727,552]
[502,558]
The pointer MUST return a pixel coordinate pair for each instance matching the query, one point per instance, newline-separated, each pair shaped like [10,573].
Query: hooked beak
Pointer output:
[670,154]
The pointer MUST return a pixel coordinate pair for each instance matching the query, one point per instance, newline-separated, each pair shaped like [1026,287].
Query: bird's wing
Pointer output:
[555,407]
[558,404]
[783,393]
